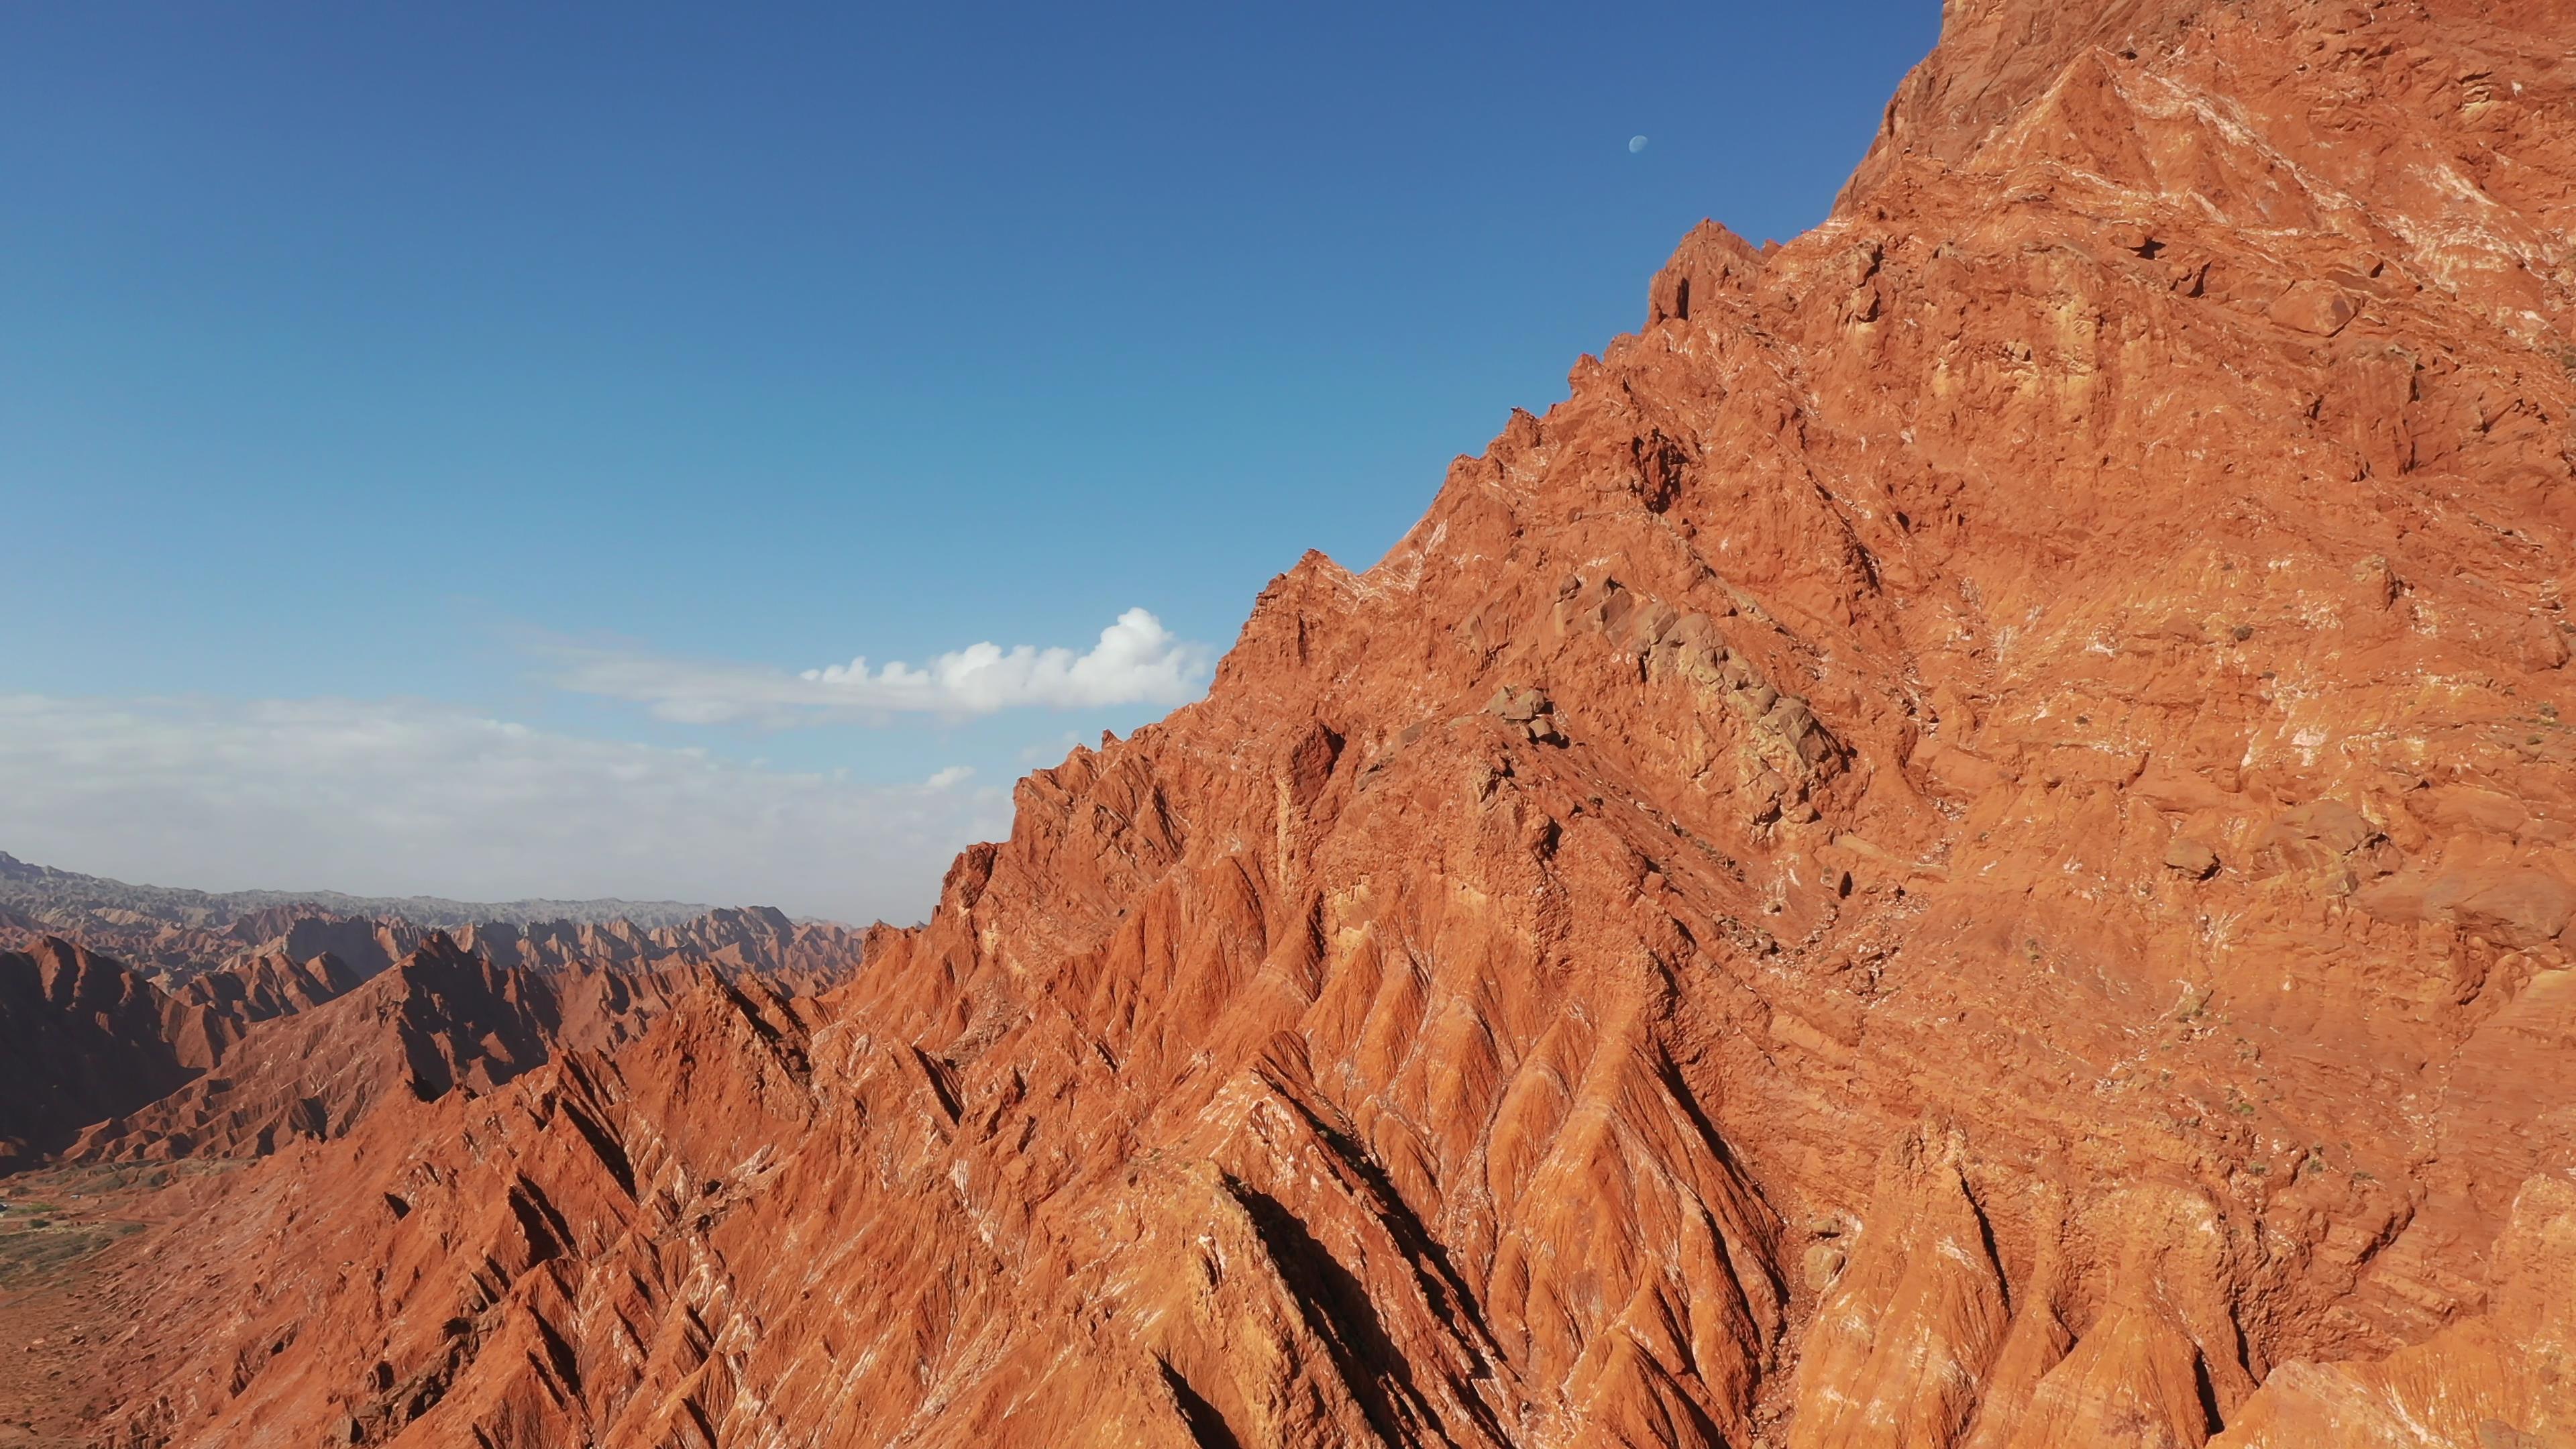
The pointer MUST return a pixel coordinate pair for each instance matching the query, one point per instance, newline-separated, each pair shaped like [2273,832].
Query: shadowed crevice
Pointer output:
[1208,1428]
[1337,1307]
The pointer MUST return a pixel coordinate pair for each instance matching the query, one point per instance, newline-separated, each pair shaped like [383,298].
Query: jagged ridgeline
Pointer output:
[1970,845]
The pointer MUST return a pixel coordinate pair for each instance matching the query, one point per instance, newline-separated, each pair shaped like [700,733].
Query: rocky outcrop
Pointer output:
[1692,947]
[80,1039]
[103,1065]
[441,1020]
[2503,1379]
[205,1017]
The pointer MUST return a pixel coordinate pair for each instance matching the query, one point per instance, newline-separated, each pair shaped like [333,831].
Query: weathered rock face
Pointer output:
[1969,846]
[205,1017]
[440,1020]
[80,1039]
[98,1064]
[2505,1377]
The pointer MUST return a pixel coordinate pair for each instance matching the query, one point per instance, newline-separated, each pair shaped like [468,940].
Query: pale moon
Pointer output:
[1636,144]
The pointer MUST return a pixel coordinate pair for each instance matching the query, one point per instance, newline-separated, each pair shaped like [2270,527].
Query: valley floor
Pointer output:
[62,1234]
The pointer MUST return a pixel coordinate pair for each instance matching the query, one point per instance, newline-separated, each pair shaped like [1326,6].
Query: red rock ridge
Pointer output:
[205,1017]
[440,1020]
[98,1054]
[80,1039]
[279,1051]
[1970,845]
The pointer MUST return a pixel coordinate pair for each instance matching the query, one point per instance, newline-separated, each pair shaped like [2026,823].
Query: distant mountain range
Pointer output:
[119,1002]
[62,895]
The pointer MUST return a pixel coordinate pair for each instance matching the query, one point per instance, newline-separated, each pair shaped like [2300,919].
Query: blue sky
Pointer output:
[438,438]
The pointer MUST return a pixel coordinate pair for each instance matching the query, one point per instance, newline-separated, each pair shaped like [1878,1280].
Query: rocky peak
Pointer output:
[1696,945]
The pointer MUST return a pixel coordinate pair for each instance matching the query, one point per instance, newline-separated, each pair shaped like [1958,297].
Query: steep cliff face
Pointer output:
[1970,845]
[206,1017]
[80,1039]
[440,1020]
[290,1039]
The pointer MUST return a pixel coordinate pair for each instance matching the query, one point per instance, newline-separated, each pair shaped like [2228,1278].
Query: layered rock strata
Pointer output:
[1969,845]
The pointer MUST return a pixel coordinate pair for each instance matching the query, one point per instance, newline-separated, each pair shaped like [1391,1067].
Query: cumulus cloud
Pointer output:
[953,775]
[1136,661]
[405,797]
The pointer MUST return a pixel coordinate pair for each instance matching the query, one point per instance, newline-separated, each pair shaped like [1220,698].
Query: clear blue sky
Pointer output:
[369,374]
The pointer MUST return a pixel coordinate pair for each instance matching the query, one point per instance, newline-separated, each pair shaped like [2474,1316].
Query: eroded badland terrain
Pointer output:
[1971,845]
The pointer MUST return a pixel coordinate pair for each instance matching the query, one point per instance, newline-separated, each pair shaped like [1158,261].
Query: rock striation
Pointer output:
[1969,845]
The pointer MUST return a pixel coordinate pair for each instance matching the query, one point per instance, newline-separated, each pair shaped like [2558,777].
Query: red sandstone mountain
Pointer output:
[205,1017]
[1970,845]
[440,1019]
[80,1039]
[94,1054]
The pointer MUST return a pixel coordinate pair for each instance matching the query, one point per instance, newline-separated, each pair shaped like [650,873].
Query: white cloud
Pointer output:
[1137,661]
[412,797]
[953,775]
